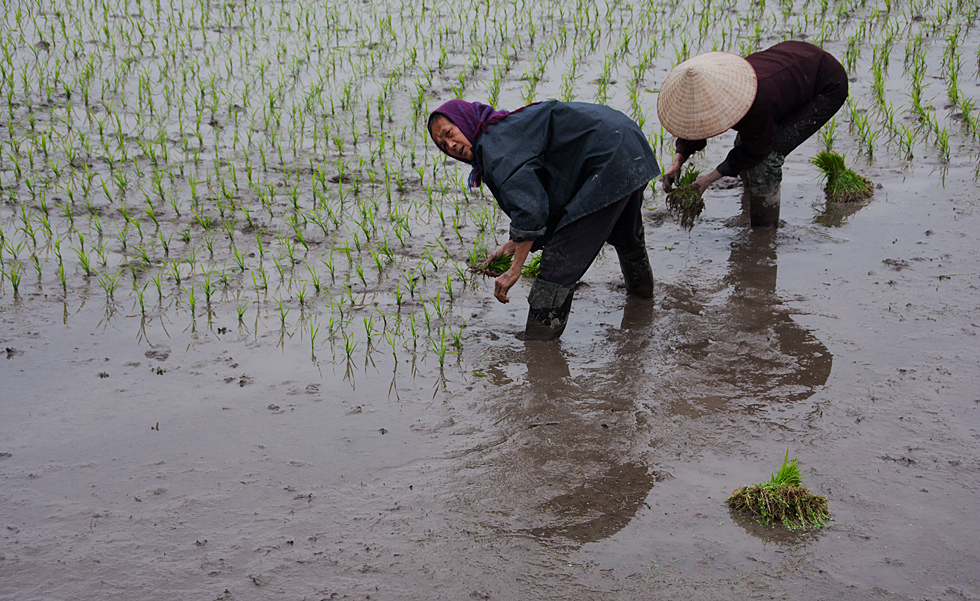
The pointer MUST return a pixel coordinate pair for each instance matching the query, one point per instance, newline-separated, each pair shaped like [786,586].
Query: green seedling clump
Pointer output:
[533,267]
[685,202]
[843,184]
[783,499]
[502,263]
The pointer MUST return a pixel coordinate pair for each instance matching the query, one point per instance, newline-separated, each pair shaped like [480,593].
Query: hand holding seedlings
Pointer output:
[569,223]
[685,202]
[506,280]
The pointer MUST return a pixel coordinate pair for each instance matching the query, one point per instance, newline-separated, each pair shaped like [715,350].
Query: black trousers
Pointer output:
[570,252]
[793,129]
[765,179]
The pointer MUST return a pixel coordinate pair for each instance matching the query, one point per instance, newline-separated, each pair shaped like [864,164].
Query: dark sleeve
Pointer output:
[689,147]
[510,157]
[522,196]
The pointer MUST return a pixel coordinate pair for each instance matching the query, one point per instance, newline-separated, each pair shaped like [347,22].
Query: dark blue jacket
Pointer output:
[556,162]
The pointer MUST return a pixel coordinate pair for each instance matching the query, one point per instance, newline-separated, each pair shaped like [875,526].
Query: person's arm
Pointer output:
[683,149]
[673,173]
[506,280]
[706,180]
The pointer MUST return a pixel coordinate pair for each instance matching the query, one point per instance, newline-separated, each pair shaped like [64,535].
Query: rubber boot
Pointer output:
[636,270]
[548,312]
[762,190]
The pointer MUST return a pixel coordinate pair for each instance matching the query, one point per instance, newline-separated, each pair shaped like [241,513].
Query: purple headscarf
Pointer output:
[472,119]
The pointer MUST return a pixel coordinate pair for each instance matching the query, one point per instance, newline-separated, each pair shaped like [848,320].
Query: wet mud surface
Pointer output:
[202,465]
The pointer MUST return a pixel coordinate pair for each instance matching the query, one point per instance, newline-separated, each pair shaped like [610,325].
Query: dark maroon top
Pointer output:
[790,75]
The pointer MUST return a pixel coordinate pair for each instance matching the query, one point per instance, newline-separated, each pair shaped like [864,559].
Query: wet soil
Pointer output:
[209,462]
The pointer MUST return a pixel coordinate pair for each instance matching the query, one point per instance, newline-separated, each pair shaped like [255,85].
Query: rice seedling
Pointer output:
[843,184]
[782,499]
[109,284]
[314,331]
[349,345]
[440,348]
[133,128]
[14,275]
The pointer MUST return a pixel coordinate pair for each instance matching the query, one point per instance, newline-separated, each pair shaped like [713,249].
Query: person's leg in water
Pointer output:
[568,256]
[627,237]
[762,190]
[763,182]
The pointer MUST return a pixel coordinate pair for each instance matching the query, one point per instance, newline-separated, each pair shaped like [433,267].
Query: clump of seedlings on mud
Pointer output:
[684,202]
[782,499]
[843,183]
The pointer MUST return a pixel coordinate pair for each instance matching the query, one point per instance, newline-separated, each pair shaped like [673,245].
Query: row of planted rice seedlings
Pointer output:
[277,152]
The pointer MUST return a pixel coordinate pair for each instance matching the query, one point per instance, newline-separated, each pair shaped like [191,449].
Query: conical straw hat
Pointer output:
[706,95]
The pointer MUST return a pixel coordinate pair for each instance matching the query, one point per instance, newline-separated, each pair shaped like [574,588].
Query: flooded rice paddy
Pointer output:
[244,356]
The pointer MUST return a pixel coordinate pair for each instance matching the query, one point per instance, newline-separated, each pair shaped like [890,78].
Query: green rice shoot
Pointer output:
[533,267]
[843,184]
[782,499]
[684,202]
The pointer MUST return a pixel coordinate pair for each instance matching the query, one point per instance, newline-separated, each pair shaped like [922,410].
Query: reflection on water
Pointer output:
[567,464]
[777,535]
[836,214]
[749,349]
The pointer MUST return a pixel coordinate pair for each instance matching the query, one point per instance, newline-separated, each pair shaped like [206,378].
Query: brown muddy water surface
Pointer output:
[172,463]
[242,357]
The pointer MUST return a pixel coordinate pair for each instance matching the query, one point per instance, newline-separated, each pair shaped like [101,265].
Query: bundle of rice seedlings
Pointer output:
[494,268]
[684,202]
[843,184]
[783,499]
[502,263]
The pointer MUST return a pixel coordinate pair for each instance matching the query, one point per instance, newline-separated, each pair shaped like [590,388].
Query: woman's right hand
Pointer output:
[673,174]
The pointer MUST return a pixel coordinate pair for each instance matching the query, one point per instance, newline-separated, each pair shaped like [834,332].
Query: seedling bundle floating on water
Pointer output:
[684,202]
[843,184]
[783,499]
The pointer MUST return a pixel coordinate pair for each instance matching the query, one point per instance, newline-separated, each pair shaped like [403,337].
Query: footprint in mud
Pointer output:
[159,355]
[897,264]
[294,389]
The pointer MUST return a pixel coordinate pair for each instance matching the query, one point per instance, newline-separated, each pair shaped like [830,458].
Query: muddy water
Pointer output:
[197,460]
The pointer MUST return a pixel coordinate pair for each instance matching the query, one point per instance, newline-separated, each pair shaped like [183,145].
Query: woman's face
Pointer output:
[452,141]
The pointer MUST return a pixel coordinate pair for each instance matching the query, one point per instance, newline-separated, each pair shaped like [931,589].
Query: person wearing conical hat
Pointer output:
[775,99]
[571,178]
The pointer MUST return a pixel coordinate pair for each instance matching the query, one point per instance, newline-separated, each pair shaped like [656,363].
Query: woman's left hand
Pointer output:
[504,283]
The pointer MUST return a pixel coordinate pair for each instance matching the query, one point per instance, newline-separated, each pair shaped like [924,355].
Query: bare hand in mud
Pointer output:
[672,174]
[504,283]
